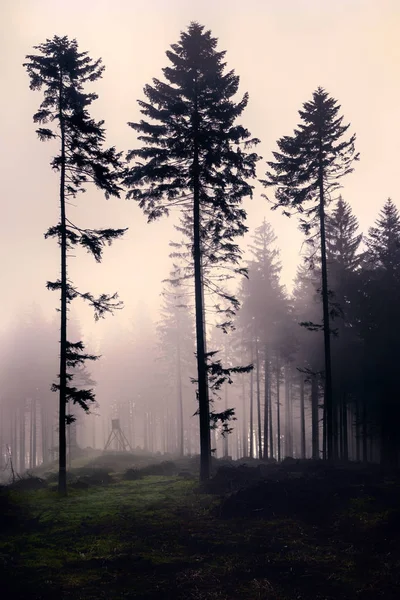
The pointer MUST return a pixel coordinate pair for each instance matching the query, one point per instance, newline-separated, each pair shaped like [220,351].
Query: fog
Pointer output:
[282,52]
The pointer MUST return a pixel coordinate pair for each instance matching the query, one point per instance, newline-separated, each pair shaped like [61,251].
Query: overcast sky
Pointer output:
[281,49]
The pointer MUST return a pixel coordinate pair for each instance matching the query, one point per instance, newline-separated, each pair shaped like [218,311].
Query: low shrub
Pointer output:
[132,475]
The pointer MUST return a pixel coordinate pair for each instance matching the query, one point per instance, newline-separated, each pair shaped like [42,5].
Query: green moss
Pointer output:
[159,537]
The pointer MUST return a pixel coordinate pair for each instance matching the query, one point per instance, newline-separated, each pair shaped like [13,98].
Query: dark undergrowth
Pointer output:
[276,532]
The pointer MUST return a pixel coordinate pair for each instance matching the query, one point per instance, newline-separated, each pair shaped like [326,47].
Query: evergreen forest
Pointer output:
[241,440]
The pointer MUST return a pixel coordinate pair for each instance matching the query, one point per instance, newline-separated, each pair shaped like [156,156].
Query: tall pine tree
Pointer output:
[305,172]
[379,329]
[195,157]
[63,71]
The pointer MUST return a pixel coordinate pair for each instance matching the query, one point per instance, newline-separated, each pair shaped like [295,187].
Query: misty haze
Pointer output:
[201,284]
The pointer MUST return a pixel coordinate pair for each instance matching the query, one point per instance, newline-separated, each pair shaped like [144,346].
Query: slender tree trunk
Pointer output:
[324,433]
[314,418]
[357,430]
[345,428]
[278,411]
[22,437]
[341,437]
[69,444]
[214,442]
[244,430]
[331,430]
[34,433]
[271,427]
[259,429]
[45,433]
[31,434]
[179,386]
[15,440]
[151,431]
[251,407]
[204,407]
[266,401]
[288,415]
[302,419]
[225,437]
[52,441]
[364,431]
[62,444]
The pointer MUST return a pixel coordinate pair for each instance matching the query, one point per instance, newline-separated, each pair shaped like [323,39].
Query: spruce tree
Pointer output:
[305,173]
[344,259]
[342,238]
[379,329]
[63,71]
[194,156]
[384,241]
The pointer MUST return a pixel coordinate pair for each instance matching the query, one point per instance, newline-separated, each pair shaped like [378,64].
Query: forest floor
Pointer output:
[276,532]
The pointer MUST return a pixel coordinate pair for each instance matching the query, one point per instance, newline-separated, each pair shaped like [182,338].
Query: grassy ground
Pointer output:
[160,537]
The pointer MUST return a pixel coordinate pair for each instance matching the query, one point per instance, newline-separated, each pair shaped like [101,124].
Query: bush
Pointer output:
[27,483]
[132,475]
[96,477]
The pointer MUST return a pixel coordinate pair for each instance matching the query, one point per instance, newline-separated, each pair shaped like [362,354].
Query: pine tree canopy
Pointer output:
[315,153]
[383,240]
[194,107]
[63,71]
[342,239]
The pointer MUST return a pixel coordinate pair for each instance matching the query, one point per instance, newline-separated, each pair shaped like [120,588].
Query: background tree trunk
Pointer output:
[259,428]
[278,412]
[314,418]
[266,402]
[302,419]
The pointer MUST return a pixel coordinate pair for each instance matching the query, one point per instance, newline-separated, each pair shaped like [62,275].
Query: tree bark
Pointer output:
[244,430]
[34,432]
[62,444]
[357,430]
[271,427]
[259,429]
[288,420]
[364,431]
[345,428]
[204,407]
[251,407]
[331,430]
[314,418]
[278,412]
[22,434]
[226,437]
[179,386]
[302,419]
[266,401]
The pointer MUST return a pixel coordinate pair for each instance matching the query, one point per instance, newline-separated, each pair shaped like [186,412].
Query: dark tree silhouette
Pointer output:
[379,330]
[305,173]
[344,260]
[63,71]
[195,157]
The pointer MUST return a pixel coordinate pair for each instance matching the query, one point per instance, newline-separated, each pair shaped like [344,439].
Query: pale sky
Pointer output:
[281,49]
